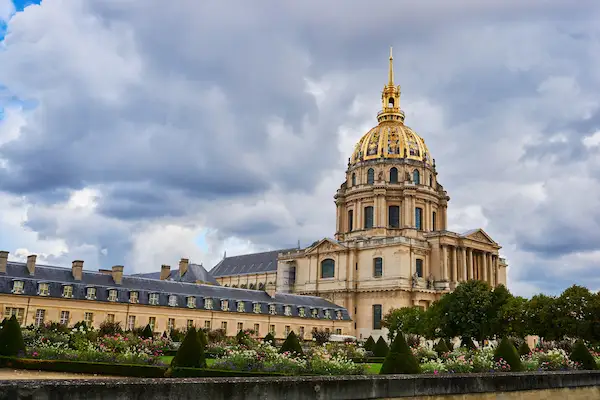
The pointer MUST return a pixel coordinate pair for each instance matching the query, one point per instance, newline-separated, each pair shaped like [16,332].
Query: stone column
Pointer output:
[464,264]
[358,216]
[444,262]
[471,265]
[492,284]
[406,209]
[454,265]
[484,259]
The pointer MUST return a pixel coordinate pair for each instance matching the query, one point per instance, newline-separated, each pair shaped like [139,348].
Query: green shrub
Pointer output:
[147,332]
[468,343]
[203,339]
[381,348]
[269,339]
[400,359]
[369,344]
[524,349]
[508,353]
[11,339]
[110,328]
[582,356]
[321,336]
[191,351]
[441,347]
[449,344]
[291,345]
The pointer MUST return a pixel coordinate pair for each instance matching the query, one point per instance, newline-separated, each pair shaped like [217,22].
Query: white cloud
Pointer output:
[7,8]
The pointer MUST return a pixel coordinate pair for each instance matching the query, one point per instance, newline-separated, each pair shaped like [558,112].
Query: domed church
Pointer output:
[391,246]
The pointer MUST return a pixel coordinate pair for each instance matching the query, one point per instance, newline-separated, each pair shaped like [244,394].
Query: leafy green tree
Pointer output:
[400,359]
[575,317]
[191,352]
[494,325]
[381,348]
[369,344]
[468,309]
[407,319]
[541,316]
[436,323]
[292,345]
[507,352]
[11,339]
[513,318]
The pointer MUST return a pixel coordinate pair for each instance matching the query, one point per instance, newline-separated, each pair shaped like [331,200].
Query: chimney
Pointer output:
[117,274]
[270,289]
[31,264]
[165,271]
[77,269]
[3,261]
[183,266]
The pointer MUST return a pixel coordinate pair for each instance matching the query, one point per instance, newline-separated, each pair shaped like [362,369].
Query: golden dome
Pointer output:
[388,140]
[391,138]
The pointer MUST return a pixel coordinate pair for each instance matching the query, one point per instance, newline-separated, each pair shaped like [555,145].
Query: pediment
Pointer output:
[325,245]
[479,235]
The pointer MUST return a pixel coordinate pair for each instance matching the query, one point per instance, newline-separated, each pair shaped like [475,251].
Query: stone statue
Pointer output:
[380,176]
[407,177]
[430,281]
[415,279]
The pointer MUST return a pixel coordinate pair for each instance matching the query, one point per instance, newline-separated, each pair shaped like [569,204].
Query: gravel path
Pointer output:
[8,374]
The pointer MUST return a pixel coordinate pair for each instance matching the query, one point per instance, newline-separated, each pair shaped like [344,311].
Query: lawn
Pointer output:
[167,360]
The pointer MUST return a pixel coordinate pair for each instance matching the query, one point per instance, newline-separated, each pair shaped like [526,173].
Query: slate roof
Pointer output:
[195,272]
[57,277]
[247,264]
[469,232]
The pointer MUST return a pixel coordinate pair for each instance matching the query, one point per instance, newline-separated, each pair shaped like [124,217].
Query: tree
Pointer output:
[381,348]
[494,324]
[291,345]
[11,339]
[191,352]
[541,316]
[513,318]
[468,310]
[506,351]
[575,318]
[369,344]
[400,359]
[407,319]
[147,332]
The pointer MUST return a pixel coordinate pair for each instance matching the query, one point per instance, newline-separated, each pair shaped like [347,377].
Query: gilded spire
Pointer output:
[391,71]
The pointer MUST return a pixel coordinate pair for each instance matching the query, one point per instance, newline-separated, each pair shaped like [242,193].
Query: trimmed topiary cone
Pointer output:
[468,343]
[203,339]
[381,348]
[441,347]
[191,352]
[11,339]
[506,351]
[524,349]
[269,339]
[291,345]
[147,332]
[449,344]
[400,359]
[369,344]
[581,355]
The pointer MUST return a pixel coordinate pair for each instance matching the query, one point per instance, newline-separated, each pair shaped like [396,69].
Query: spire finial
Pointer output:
[391,71]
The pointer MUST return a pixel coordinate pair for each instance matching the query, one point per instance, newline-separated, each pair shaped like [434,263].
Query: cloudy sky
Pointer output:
[137,132]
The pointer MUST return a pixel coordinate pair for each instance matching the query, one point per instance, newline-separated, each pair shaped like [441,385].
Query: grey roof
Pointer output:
[195,273]
[57,277]
[247,264]
[470,231]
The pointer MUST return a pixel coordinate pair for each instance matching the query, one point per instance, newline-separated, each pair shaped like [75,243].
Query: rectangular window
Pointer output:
[171,324]
[44,289]
[91,293]
[208,304]
[368,222]
[350,220]
[378,267]
[190,323]
[67,291]
[113,295]
[287,330]
[338,331]
[39,317]
[131,322]
[419,218]
[18,287]
[172,300]
[315,313]
[152,323]
[88,318]
[110,318]
[241,307]
[394,216]
[419,267]
[191,302]
[240,326]
[134,297]
[206,324]
[327,268]
[433,221]
[224,305]
[287,311]
[301,332]
[327,314]
[272,309]
[272,329]
[224,326]
[153,299]
[257,328]
[376,316]
[301,312]
[64,317]
[17,312]
[256,308]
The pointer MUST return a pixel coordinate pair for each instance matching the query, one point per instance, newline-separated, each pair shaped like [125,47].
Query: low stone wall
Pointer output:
[541,385]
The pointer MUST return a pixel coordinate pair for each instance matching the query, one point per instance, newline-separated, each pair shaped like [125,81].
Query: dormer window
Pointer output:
[113,295]
[191,302]
[67,291]
[256,308]
[301,312]
[327,314]
[134,297]
[153,299]
[224,305]
[172,300]
[241,307]
[338,315]
[272,309]
[90,293]
[208,304]
[44,289]
[18,287]
[287,311]
[315,313]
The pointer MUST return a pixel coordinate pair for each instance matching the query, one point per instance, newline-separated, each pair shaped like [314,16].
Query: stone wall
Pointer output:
[548,385]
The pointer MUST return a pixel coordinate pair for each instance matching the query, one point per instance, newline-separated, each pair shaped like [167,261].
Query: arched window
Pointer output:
[431,180]
[433,220]
[350,220]
[370,176]
[327,268]
[394,175]
[368,217]
[419,268]
[419,218]
[391,102]
[416,177]
[353,179]
[378,267]
[394,216]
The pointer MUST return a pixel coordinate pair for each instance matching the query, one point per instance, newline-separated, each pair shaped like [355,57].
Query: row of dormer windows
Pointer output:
[153,299]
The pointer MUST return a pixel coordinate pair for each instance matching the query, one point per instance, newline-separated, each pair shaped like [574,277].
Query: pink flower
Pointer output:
[435,372]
